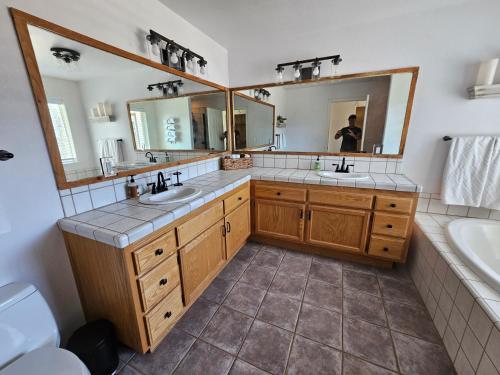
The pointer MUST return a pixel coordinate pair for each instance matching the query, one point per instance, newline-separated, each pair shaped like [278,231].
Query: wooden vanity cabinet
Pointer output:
[145,288]
[368,225]
[338,228]
[281,220]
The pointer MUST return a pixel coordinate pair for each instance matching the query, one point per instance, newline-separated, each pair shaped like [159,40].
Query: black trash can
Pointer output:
[95,344]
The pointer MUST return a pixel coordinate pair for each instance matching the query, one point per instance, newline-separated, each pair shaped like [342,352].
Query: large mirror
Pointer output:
[362,114]
[107,110]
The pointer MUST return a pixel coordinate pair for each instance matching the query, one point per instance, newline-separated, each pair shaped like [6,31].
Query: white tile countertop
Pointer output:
[433,226]
[121,224]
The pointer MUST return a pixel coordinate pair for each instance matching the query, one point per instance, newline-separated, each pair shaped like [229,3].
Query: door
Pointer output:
[282,220]
[240,130]
[237,228]
[201,259]
[338,228]
[215,129]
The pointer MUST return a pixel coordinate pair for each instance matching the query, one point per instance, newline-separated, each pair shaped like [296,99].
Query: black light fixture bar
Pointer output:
[260,94]
[155,37]
[160,85]
[65,54]
[335,58]
[176,87]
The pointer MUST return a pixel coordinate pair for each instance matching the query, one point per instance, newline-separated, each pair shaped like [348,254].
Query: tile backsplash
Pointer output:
[88,197]
[431,203]
[362,164]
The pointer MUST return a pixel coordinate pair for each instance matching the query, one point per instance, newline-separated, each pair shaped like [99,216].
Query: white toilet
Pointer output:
[29,338]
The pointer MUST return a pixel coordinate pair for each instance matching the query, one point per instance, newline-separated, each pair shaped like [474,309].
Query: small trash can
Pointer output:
[95,344]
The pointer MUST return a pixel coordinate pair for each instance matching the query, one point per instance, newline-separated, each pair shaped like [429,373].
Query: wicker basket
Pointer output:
[240,163]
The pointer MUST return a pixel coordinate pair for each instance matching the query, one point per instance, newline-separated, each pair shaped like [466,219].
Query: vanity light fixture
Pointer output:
[313,72]
[261,94]
[170,88]
[65,54]
[174,55]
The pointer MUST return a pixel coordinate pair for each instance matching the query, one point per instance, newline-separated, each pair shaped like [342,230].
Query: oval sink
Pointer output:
[172,195]
[343,176]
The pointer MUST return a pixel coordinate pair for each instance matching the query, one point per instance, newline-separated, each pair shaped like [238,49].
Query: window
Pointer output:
[140,127]
[62,129]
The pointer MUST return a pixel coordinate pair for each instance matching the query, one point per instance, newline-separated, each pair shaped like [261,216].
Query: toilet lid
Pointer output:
[47,361]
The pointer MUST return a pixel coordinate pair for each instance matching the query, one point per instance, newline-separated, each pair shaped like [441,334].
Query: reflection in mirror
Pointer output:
[356,115]
[190,122]
[253,122]
[87,91]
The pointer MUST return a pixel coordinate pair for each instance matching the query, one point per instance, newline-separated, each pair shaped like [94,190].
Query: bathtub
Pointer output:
[477,243]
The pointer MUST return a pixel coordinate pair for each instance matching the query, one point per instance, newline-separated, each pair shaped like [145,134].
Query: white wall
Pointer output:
[34,250]
[447,43]
[70,94]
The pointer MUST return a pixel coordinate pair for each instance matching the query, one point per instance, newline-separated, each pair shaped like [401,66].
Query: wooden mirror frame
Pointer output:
[413,70]
[233,133]
[21,21]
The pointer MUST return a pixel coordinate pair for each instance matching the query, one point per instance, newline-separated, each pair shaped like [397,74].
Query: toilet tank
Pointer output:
[26,322]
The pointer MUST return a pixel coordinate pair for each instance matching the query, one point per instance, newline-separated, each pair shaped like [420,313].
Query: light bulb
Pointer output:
[189,64]
[279,76]
[170,90]
[296,73]
[155,49]
[203,70]
[174,59]
[316,71]
[180,89]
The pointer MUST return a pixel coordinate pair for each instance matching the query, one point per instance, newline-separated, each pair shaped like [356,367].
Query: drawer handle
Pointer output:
[278,193]
[228,230]
[393,205]
[163,282]
[158,252]
[386,249]
[301,213]
[389,226]
[240,198]
[167,315]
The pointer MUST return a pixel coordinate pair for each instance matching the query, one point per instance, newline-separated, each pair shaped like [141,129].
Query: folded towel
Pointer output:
[110,148]
[466,171]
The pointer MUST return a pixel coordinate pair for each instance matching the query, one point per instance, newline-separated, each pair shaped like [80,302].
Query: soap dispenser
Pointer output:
[132,188]
[317,164]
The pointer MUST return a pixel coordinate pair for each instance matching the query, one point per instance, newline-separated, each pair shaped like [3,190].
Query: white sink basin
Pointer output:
[343,176]
[172,195]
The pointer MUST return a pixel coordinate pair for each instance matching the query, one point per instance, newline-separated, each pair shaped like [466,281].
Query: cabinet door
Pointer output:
[338,228]
[237,228]
[281,220]
[201,259]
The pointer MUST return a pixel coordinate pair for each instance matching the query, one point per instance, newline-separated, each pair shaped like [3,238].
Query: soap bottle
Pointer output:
[132,188]
[317,164]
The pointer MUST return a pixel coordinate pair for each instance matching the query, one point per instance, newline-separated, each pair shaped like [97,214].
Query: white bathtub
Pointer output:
[477,243]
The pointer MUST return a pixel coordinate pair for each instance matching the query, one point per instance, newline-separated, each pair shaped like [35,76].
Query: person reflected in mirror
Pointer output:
[350,136]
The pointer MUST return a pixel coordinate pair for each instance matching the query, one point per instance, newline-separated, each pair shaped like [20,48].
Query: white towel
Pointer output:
[281,132]
[110,148]
[491,195]
[466,172]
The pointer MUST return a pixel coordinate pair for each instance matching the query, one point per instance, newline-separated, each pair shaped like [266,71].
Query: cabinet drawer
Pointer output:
[161,318]
[159,282]
[342,199]
[236,199]
[391,225]
[394,204]
[280,193]
[388,248]
[154,252]
[192,228]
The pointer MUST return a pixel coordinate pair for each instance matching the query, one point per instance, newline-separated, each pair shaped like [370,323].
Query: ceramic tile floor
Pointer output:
[274,311]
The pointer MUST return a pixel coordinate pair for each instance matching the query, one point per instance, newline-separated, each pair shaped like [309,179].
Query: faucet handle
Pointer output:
[153,189]
[349,165]
[337,167]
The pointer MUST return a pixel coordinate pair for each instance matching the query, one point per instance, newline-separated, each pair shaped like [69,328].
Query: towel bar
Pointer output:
[447,138]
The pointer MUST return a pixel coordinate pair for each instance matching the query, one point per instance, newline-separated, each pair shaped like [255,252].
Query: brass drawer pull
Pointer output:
[158,252]
[389,226]
[393,205]
[278,193]
[163,282]
[167,315]
[386,249]
[240,198]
